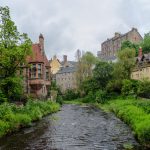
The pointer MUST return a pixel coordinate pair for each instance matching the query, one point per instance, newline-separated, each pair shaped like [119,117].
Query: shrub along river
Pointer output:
[75,127]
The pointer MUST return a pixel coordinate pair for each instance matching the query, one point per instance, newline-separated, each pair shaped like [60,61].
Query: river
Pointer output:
[74,127]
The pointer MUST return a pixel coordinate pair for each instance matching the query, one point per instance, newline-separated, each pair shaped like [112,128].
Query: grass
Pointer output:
[136,113]
[77,101]
[12,117]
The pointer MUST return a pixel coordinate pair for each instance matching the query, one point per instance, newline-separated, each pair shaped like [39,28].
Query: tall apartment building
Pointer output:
[37,71]
[112,45]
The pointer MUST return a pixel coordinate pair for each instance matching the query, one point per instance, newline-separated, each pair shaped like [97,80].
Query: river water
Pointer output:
[74,127]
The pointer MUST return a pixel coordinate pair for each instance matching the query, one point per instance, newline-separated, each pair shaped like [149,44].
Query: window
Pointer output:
[39,71]
[47,74]
[33,71]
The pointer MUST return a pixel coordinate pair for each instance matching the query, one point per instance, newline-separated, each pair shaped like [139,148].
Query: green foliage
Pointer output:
[13,117]
[102,74]
[126,61]
[129,88]
[70,95]
[2,97]
[133,114]
[144,89]
[146,43]
[101,96]
[85,66]
[89,84]
[90,98]
[128,44]
[114,86]
[59,99]
[12,87]
[14,47]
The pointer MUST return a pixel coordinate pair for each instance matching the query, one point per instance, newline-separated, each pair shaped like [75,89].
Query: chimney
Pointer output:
[54,57]
[134,29]
[140,52]
[41,42]
[65,59]
[117,34]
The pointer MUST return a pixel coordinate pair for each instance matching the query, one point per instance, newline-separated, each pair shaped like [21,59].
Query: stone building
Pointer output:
[111,46]
[37,71]
[142,67]
[66,76]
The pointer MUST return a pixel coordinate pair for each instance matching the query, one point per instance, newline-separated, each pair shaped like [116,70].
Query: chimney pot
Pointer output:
[65,58]
[140,52]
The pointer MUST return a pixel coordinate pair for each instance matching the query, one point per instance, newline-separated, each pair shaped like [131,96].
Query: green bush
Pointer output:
[90,98]
[129,88]
[101,96]
[4,128]
[12,88]
[114,86]
[59,99]
[144,89]
[70,95]
[13,117]
[2,97]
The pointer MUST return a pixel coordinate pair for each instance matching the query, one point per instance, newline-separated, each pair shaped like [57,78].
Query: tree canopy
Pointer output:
[14,47]
[85,65]
[146,43]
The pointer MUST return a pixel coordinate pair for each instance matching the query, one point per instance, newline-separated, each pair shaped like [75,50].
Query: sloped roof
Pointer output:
[37,56]
[66,70]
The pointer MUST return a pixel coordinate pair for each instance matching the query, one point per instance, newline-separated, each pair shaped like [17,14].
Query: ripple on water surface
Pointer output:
[73,128]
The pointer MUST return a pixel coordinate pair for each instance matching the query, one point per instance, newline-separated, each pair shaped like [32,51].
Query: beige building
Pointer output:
[55,65]
[142,68]
[111,46]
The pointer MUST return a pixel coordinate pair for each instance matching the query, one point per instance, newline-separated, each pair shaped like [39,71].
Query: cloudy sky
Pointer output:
[68,25]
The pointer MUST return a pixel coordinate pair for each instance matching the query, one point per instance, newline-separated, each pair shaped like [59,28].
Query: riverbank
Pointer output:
[13,117]
[136,113]
[74,127]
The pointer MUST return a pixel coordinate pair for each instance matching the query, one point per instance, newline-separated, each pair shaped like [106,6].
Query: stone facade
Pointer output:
[111,46]
[142,68]
[66,76]
[37,71]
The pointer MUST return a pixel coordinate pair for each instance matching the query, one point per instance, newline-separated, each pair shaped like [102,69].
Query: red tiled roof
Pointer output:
[37,56]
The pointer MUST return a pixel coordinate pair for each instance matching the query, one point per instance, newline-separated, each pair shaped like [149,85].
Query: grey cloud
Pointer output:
[71,24]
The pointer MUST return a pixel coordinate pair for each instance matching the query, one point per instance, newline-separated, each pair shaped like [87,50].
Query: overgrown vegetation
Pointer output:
[136,113]
[13,117]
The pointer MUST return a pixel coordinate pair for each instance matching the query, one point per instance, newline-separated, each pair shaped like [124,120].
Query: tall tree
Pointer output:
[85,66]
[14,47]
[126,61]
[102,74]
[128,44]
[146,43]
